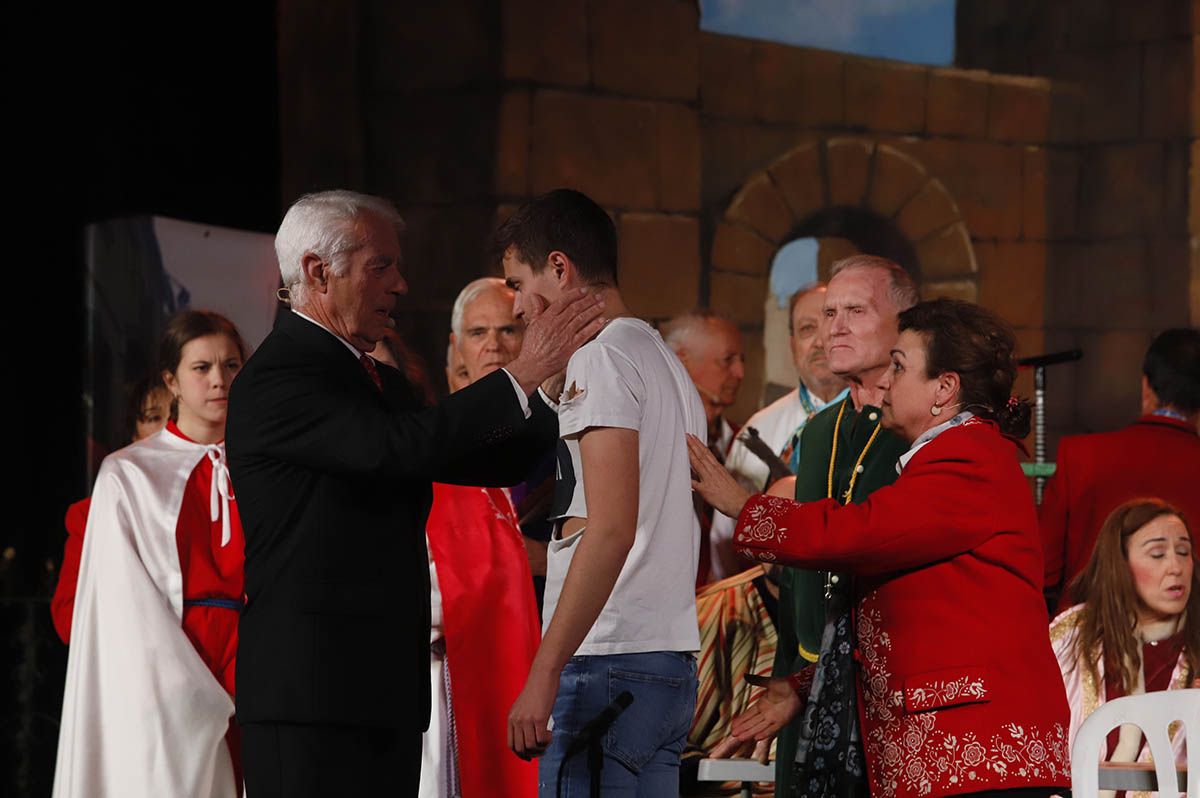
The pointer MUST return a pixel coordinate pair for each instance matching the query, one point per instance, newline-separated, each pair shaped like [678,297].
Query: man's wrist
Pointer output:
[525,374]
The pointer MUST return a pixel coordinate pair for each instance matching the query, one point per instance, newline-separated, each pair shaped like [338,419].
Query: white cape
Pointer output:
[143,717]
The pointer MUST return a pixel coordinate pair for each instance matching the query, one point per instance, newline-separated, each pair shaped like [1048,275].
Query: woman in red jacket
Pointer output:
[960,691]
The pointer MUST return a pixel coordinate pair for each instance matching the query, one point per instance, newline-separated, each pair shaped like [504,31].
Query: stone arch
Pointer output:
[875,194]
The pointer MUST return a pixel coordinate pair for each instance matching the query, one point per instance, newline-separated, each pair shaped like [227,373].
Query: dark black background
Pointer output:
[111,109]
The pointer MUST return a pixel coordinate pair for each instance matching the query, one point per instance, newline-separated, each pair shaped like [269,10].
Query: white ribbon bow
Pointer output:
[222,491]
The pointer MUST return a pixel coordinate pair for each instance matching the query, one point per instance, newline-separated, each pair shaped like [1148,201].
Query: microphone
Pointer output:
[599,724]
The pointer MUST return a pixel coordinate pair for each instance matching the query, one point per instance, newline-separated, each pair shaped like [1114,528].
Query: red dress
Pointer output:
[959,689]
[211,571]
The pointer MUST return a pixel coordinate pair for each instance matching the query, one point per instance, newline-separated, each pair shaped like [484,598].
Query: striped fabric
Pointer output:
[737,637]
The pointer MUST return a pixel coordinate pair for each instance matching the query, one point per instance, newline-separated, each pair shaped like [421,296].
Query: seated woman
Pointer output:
[148,704]
[960,690]
[1136,625]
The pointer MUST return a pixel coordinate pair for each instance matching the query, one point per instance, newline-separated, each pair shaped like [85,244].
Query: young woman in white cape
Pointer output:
[148,706]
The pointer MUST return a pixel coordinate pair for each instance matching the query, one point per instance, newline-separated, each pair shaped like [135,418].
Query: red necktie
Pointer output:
[369,365]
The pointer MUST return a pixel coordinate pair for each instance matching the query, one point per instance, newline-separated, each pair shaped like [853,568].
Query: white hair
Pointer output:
[679,330]
[468,295]
[323,224]
[902,290]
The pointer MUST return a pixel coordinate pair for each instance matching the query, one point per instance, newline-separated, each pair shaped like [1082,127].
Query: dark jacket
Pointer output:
[333,485]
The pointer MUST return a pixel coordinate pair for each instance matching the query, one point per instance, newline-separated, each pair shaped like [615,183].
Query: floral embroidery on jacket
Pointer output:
[939,693]
[911,755]
[760,525]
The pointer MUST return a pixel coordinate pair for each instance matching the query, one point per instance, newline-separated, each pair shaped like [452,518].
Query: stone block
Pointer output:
[799,176]
[1146,21]
[829,251]
[545,42]
[738,297]
[1099,285]
[1122,189]
[966,290]
[761,207]
[1169,281]
[1194,284]
[929,210]
[1066,112]
[885,95]
[1194,187]
[1012,281]
[1019,109]
[603,146]
[947,253]
[1110,78]
[444,249]
[646,48]
[749,395]
[418,46]
[320,111]
[726,73]
[1109,384]
[678,158]
[895,178]
[732,151]
[1175,187]
[849,169]
[798,85]
[738,249]
[1049,193]
[958,103]
[659,265]
[1166,88]
[435,148]
[512,144]
[983,177]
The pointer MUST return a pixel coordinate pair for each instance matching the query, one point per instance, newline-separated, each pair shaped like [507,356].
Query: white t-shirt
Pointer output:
[627,377]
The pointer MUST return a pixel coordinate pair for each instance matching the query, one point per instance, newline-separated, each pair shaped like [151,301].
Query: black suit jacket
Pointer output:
[332,479]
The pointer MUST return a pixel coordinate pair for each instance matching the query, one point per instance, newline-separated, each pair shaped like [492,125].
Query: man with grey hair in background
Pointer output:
[710,348]
[844,454]
[334,457]
[779,424]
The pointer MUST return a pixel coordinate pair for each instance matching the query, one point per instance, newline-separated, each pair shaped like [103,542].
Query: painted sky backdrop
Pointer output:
[919,31]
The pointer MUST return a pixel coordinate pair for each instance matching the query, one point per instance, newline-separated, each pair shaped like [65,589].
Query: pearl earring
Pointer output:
[935,410]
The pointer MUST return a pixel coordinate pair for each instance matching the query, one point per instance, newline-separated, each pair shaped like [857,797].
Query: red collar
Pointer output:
[173,428]
[1167,421]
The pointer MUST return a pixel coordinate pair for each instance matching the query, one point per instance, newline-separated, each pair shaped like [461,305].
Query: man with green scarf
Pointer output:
[843,453]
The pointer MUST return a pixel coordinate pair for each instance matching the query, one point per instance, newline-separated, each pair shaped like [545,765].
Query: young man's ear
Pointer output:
[563,268]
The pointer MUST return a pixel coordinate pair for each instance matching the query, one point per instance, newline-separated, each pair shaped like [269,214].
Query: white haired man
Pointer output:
[334,458]
[779,424]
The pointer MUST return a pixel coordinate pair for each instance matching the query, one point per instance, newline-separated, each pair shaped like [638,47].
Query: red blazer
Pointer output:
[1154,456]
[959,689]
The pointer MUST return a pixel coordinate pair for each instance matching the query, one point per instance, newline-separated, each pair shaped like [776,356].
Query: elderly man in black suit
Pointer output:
[333,456]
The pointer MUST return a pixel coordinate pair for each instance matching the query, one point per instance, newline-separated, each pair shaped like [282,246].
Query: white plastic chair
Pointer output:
[1152,713]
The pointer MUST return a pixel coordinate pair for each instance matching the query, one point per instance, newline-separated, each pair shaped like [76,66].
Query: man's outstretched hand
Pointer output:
[553,334]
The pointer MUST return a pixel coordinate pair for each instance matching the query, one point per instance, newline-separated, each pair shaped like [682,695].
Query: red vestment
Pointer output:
[491,628]
[62,605]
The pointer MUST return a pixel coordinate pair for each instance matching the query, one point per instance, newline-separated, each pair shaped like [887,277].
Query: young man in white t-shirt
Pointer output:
[620,611]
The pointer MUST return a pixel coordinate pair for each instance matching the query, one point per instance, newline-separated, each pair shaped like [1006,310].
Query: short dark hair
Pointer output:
[136,396]
[1172,367]
[189,325]
[978,346]
[567,221]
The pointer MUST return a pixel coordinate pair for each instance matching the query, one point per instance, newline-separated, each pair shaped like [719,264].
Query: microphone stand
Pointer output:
[592,735]
[1039,362]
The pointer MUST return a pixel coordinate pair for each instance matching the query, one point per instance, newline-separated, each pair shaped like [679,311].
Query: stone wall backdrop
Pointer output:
[1045,176]
[459,110]
[940,169]
[1120,219]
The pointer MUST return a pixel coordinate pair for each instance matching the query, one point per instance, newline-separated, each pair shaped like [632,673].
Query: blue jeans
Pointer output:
[642,748]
